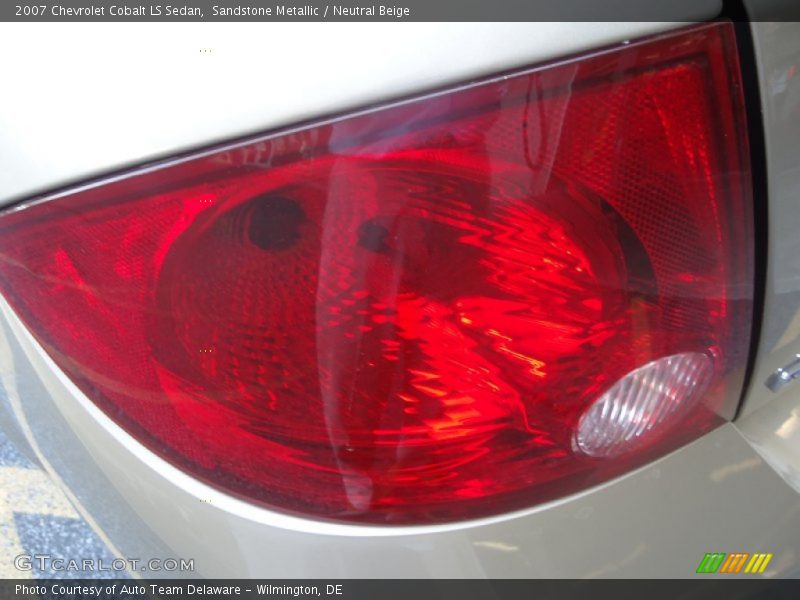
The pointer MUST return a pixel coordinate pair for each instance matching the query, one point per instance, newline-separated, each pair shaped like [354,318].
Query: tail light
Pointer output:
[450,307]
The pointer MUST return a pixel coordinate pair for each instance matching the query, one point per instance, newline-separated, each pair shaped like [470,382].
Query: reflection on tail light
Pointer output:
[433,311]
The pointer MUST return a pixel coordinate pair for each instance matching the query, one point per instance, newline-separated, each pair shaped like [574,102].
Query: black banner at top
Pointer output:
[359,10]
[396,10]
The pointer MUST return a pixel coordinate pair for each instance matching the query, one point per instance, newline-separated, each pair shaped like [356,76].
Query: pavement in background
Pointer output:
[37,518]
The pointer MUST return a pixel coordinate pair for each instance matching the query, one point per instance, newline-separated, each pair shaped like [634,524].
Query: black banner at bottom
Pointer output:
[394,589]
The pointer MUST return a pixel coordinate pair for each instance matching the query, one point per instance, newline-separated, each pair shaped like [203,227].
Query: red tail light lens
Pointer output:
[452,307]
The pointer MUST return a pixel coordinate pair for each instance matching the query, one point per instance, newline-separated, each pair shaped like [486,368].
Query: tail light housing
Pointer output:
[451,307]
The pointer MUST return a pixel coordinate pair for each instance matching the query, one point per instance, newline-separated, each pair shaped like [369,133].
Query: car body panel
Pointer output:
[771,419]
[777,47]
[146,101]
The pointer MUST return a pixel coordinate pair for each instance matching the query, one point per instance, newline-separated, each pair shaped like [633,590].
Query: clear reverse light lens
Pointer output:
[643,404]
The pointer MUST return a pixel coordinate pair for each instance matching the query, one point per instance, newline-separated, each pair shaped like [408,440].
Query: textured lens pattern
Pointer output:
[643,402]
[404,316]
